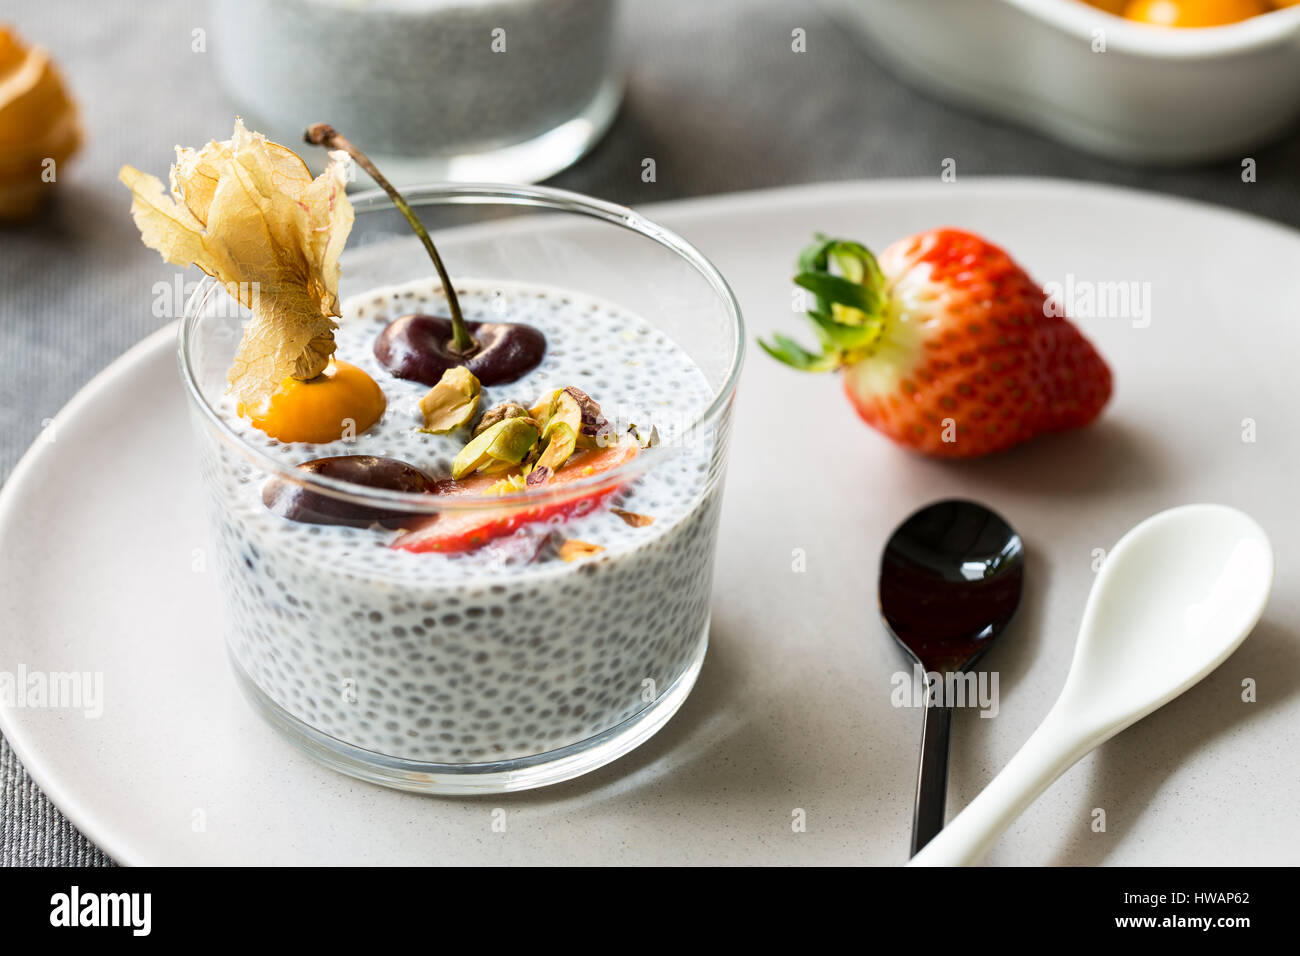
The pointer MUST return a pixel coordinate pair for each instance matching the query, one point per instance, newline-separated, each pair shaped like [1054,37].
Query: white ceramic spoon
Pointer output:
[1175,597]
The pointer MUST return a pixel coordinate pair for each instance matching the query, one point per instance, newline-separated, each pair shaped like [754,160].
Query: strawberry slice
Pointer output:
[945,344]
[465,531]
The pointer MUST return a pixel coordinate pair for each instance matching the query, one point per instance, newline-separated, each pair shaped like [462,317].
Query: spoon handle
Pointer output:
[1053,748]
[932,776]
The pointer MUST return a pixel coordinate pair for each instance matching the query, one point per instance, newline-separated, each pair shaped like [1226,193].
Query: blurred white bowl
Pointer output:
[1164,96]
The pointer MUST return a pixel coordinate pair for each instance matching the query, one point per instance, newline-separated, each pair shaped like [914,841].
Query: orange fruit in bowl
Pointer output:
[1193,13]
[1110,6]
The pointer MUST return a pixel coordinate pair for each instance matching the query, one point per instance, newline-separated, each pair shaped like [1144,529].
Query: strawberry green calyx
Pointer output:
[849,306]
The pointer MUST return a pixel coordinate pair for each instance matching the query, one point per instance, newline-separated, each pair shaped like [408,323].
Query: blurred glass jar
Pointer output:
[500,90]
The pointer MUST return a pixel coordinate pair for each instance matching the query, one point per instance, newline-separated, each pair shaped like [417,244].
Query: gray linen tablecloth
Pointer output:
[715,96]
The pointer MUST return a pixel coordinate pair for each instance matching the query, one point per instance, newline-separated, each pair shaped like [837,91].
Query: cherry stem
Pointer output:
[323,134]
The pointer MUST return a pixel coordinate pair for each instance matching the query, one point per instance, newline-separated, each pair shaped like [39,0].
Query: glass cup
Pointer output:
[501,90]
[502,670]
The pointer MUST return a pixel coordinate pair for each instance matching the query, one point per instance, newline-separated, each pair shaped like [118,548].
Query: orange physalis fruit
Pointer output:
[343,400]
[39,126]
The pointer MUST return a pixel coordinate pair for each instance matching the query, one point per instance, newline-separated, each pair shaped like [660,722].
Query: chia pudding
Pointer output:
[505,651]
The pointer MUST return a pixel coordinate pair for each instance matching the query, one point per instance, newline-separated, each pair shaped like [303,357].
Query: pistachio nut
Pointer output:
[566,412]
[498,448]
[594,430]
[562,442]
[571,549]
[499,413]
[508,485]
[644,438]
[633,519]
[452,402]
[545,406]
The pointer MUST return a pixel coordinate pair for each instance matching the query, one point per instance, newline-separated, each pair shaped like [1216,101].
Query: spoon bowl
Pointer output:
[950,581]
[951,576]
[1176,596]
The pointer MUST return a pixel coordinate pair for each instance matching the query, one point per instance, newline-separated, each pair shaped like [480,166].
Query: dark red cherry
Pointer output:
[418,347]
[297,503]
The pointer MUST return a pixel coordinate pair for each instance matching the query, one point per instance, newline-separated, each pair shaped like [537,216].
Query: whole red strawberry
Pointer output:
[946,345]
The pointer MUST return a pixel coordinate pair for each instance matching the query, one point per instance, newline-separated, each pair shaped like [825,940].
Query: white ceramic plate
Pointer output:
[101,523]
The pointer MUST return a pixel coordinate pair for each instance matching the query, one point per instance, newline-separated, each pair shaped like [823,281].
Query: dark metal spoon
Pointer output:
[950,582]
